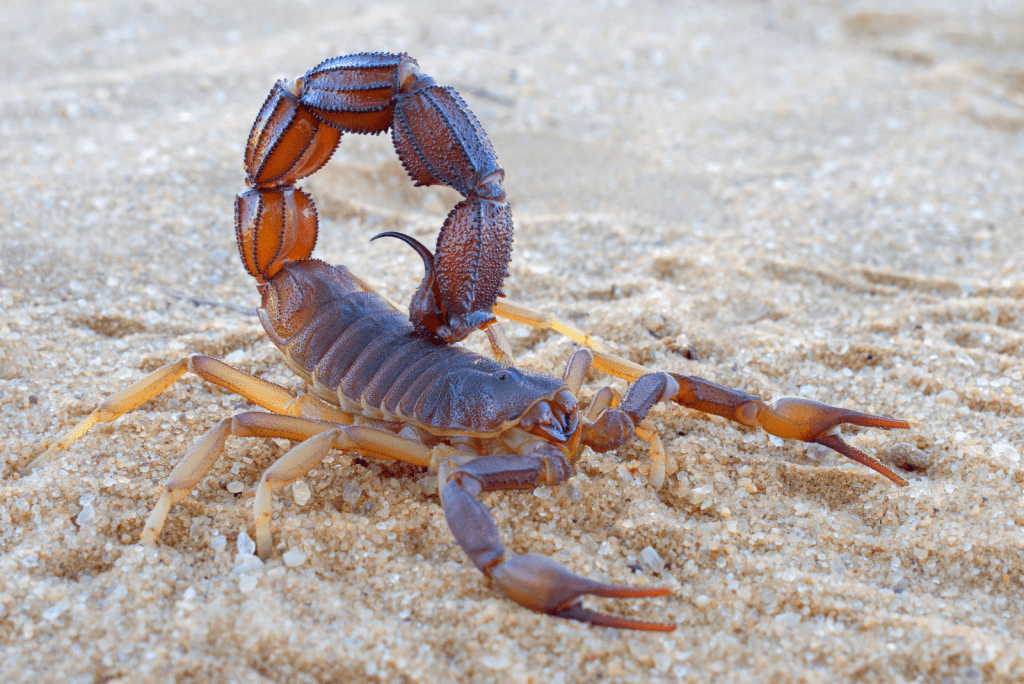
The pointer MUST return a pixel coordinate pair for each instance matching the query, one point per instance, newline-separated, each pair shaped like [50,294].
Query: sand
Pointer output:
[822,200]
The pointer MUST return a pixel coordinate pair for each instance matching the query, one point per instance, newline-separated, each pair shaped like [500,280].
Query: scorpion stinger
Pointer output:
[426,310]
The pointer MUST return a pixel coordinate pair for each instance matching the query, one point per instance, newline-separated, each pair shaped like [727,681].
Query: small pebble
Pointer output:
[293,558]
[87,515]
[571,492]
[698,495]
[351,492]
[651,560]
[1004,453]
[906,456]
[53,612]
[246,546]
[495,662]
[247,565]
[301,493]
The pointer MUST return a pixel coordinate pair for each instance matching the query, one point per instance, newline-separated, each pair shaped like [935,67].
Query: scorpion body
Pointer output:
[361,354]
[392,386]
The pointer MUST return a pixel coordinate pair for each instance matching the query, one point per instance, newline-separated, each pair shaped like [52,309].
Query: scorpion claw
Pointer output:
[542,584]
[578,612]
[813,421]
[835,442]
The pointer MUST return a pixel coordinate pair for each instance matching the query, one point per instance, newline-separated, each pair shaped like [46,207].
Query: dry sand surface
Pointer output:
[822,199]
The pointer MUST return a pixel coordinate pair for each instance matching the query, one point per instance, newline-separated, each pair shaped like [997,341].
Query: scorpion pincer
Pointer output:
[390,385]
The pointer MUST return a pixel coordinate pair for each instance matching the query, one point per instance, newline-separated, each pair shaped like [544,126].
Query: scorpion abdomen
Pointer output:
[358,350]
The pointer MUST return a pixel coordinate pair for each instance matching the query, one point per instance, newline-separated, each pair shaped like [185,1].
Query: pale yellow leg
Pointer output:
[500,346]
[576,370]
[603,361]
[113,407]
[316,439]
[260,392]
[537,319]
[645,430]
[201,457]
[305,456]
[618,366]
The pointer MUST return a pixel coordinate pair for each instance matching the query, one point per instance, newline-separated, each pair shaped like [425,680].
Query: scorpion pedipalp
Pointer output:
[788,417]
[533,581]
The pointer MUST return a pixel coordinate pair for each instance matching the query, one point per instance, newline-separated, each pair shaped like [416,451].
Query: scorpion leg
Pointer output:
[500,345]
[537,319]
[533,581]
[260,392]
[306,455]
[201,457]
[316,440]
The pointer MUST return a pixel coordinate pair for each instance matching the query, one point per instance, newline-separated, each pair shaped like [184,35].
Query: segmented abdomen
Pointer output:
[359,352]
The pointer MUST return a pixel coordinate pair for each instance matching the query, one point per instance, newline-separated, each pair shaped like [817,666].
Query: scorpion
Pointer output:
[393,386]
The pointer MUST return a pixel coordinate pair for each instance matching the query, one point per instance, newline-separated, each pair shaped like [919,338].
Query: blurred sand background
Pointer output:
[821,199]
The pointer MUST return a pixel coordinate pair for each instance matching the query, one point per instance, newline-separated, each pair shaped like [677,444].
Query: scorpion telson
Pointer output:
[391,386]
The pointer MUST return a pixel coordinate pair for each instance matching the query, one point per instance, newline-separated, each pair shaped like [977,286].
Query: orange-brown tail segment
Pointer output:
[439,141]
[295,134]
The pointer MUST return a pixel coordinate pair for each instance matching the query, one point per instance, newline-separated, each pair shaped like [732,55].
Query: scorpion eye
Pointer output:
[506,374]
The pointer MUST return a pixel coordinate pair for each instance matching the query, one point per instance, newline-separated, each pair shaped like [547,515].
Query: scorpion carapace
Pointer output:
[438,141]
[390,386]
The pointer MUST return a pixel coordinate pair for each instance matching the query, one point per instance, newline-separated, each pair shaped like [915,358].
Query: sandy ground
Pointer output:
[823,200]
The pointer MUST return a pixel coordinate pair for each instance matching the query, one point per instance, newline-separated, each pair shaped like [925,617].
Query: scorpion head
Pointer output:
[555,419]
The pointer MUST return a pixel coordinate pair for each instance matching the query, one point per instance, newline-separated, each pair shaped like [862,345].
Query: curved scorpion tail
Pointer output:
[439,142]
